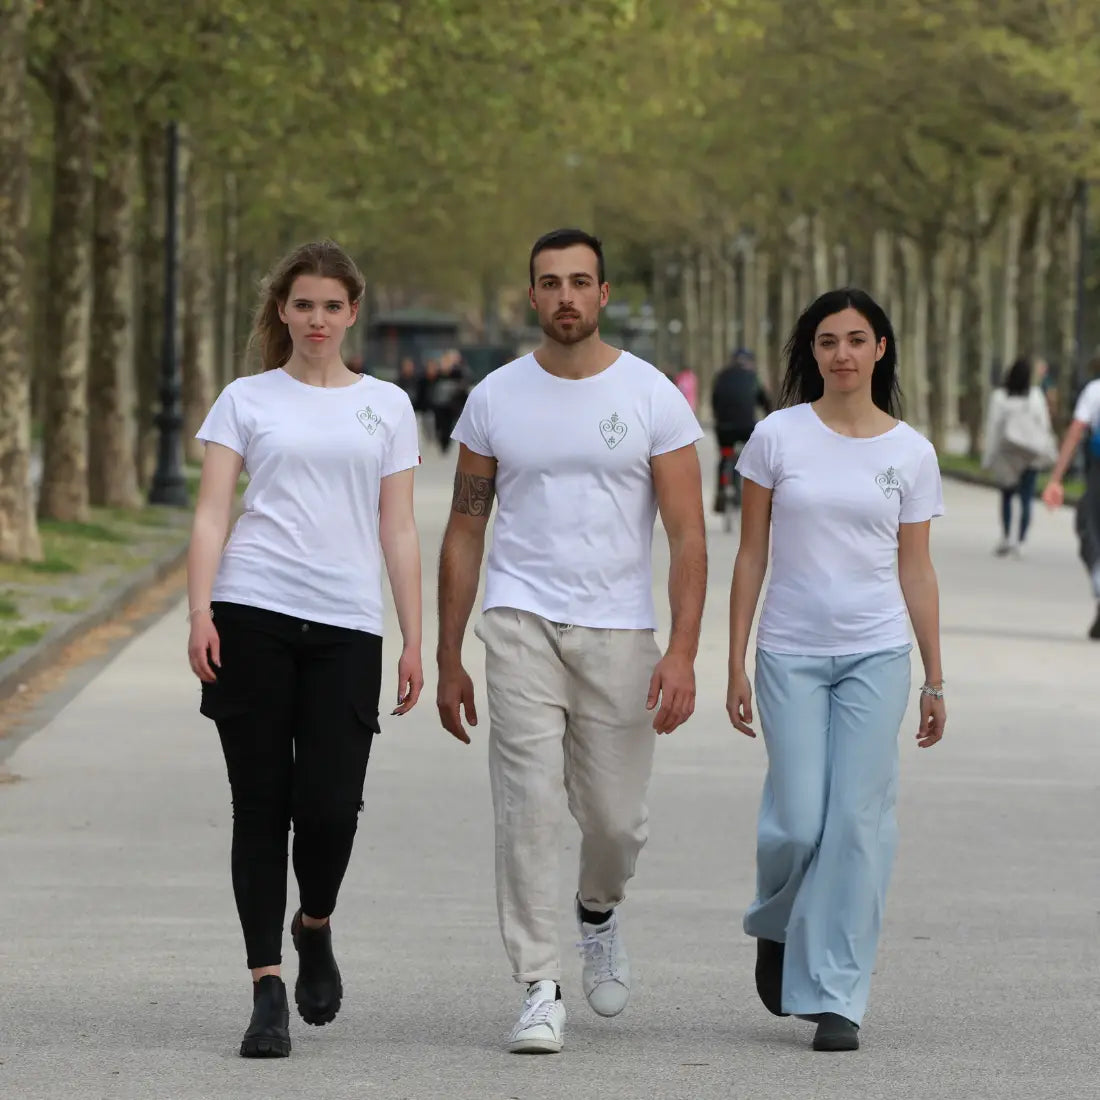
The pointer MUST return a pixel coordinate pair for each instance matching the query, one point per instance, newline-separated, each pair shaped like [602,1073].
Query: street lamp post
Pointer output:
[169,485]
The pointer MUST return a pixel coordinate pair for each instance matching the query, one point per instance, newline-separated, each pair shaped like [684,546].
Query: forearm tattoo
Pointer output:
[473,495]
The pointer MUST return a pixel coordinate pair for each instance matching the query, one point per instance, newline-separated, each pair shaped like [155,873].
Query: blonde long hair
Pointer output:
[270,336]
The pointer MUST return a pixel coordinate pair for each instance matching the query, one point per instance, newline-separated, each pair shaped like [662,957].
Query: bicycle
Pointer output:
[729,484]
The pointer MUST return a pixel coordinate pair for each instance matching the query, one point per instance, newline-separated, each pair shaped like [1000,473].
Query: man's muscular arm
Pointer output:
[459,571]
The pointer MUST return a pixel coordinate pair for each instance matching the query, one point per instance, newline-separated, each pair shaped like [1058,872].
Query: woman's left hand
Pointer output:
[410,680]
[933,717]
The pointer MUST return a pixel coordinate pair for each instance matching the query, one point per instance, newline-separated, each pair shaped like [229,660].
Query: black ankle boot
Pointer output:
[835,1032]
[268,1034]
[318,992]
[769,975]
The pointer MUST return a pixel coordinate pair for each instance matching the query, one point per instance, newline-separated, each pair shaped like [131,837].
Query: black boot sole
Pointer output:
[834,1044]
[265,1046]
[317,1015]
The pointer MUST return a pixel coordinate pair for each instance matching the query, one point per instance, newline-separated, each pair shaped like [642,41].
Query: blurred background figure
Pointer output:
[1019,441]
[452,387]
[688,385]
[408,379]
[425,399]
[1083,428]
[734,398]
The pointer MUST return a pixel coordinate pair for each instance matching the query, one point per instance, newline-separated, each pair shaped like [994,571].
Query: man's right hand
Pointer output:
[1054,495]
[455,690]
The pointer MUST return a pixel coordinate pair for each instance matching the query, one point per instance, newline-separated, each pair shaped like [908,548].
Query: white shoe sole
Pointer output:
[608,1015]
[535,1046]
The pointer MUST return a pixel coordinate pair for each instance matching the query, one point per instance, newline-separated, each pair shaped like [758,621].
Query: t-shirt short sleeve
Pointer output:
[757,460]
[223,423]
[924,500]
[473,425]
[404,449]
[673,424]
[1087,409]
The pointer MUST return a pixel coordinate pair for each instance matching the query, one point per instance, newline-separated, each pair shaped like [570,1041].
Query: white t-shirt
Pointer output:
[1087,409]
[836,506]
[573,534]
[307,542]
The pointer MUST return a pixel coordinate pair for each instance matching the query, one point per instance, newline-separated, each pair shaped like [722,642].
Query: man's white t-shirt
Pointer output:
[573,533]
[1087,409]
[307,542]
[837,503]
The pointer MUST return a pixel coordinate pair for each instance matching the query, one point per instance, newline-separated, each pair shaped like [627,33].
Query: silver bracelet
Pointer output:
[932,692]
[200,611]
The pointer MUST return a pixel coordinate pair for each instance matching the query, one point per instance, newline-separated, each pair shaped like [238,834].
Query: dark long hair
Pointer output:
[270,337]
[803,381]
[1018,378]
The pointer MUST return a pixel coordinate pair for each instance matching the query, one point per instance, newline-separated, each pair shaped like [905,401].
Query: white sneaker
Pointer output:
[541,1026]
[606,973]
[1004,548]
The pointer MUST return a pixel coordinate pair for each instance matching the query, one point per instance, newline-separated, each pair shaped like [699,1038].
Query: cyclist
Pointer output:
[735,395]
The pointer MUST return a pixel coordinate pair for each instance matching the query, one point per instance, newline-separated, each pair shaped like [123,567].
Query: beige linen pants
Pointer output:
[565,703]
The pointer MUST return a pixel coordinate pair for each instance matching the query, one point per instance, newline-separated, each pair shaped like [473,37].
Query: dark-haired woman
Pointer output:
[844,492]
[1018,441]
[286,621]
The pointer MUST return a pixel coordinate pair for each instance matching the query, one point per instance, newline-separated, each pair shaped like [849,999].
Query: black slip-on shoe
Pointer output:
[835,1033]
[318,992]
[268,1034]
[769,975]
[1094,630]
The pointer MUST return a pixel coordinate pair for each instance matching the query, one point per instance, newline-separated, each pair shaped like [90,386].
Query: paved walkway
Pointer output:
[121,966]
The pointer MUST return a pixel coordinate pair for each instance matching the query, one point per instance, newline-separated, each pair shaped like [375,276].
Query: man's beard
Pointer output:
[579,331]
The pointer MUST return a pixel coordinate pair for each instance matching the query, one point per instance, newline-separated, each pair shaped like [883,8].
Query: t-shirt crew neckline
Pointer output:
[580,381]
[852,438]
[320,389]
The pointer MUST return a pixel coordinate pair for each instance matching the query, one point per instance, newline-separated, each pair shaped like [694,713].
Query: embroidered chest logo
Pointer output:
[613,431]
[888,482]
[369,419]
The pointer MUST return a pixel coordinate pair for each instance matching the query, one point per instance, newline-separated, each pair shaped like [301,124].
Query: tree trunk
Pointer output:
[18,528]
[788,314]
[197,359]
[228,352]
[840,266]
[761,346]
[64,492]
[1010,316]
[820,256]
[914,373]
[935,269]
[689,294]
[882,269]
[150,296]
[1066,289]
[659,295]
[112,463]
[953,352]
[748,298]
[1026,273]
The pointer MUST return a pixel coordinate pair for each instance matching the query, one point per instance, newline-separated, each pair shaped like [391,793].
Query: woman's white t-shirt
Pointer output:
[837,503]
[576,502]
[307,543]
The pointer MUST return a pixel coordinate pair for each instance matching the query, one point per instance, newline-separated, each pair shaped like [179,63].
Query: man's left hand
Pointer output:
[673,684]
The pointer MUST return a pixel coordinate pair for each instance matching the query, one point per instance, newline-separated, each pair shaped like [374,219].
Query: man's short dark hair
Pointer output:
[566,238]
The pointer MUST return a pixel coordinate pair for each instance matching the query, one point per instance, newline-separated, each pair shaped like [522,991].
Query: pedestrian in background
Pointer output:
[1084,429]
[843,492]
[1019,442]
[286,620]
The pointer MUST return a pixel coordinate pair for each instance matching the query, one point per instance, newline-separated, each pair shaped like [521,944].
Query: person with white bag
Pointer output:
[1019,442]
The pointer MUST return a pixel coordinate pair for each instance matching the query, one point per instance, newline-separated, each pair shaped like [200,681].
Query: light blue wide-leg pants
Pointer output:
[827,830]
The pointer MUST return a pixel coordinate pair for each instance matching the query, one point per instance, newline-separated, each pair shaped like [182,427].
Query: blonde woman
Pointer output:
[286,619]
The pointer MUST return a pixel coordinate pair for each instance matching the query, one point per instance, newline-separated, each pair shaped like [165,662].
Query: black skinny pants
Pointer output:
[296,707]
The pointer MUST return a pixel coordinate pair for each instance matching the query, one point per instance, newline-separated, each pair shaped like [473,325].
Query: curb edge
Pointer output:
[17,668]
